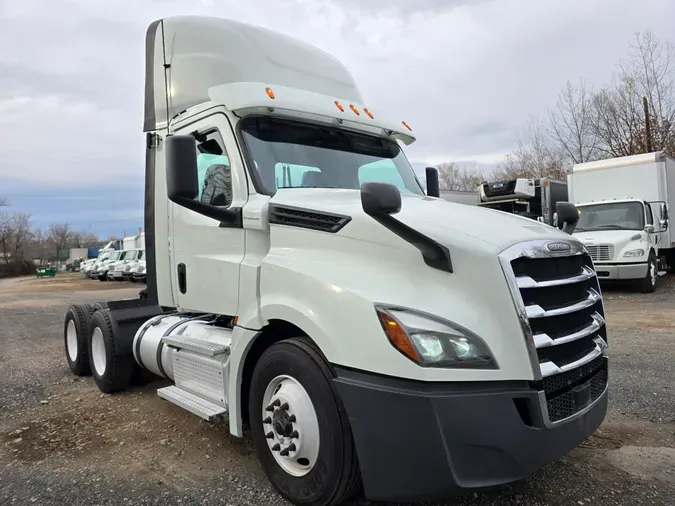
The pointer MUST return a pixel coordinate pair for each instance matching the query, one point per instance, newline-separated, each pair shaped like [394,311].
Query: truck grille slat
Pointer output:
[563,319]
[601,252]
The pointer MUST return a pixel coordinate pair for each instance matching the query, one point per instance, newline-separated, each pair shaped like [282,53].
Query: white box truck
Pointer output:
[370,336]
[624,205]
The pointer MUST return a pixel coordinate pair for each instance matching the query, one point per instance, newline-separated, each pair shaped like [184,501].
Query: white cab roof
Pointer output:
[232,63]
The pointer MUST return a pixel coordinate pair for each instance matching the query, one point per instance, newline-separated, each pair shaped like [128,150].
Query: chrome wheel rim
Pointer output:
[290,425]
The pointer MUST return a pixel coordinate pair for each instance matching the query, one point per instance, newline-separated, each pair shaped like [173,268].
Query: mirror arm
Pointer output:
[435,255]
[230,217]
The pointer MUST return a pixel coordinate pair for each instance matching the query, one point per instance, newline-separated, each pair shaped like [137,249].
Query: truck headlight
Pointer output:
[634,253]
[432,342]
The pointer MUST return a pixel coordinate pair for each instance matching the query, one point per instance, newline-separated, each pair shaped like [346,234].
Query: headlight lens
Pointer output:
[634,253]
[433,342]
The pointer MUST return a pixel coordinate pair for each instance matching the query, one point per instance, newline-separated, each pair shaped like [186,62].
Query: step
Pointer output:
[192,403]
[197,345]
[662,273]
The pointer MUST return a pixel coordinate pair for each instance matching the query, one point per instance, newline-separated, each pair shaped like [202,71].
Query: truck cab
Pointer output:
[300,281]
[622,237]
[624,205]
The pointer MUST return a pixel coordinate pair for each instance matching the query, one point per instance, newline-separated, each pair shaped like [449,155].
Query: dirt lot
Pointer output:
[62,442]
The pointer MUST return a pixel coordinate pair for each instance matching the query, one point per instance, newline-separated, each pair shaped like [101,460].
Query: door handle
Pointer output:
[182,278]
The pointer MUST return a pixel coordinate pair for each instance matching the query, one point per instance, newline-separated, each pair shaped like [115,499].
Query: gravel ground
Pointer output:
[62,442]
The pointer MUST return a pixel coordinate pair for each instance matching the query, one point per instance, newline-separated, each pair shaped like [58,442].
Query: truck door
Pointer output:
[205,254]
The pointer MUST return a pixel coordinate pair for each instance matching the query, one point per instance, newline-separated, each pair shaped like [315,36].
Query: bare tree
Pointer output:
[537,155]
[6,236]
[572,123]
[455,178]
[59,235]
[651,67]
[79,239]
[21,235]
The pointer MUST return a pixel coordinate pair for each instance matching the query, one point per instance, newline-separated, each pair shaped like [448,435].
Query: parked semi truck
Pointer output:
[624,206]
[370,336]
[531,198]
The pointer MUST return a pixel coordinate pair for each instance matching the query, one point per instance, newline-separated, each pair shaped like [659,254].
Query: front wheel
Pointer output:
[648,283]
[300,427]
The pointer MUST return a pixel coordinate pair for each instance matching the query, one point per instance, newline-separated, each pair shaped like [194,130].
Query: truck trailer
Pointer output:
[624,206]
[531,198]
[372,337]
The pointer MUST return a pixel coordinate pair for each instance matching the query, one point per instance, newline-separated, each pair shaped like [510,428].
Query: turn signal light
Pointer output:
[367,111]
[270,93]
[353,108]
[405,124]
[398,337]
[339,106]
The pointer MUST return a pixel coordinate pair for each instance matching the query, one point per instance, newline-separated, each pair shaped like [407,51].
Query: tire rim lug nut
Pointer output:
[284,452]
[276,447]
[267,420]
[291,447]
[294,435]
[269,435]
[292,418]
[284,406]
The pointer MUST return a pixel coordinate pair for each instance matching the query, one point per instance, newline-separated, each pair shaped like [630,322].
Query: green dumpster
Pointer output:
[43,272]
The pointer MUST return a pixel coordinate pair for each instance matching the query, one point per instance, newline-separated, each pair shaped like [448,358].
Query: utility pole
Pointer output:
[648,126]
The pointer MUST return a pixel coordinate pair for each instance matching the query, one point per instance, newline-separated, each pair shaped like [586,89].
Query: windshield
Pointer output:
[130,255]
[115,255]
[611,216]
[292,154]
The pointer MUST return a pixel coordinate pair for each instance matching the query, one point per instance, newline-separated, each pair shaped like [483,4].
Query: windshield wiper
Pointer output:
[618,227]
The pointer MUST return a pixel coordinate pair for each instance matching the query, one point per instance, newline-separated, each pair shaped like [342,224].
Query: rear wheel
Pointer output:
[75,335]
[300,427]
[111,367]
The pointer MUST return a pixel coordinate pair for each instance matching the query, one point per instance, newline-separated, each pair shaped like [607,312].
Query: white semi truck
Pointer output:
[370,336]
[624,206]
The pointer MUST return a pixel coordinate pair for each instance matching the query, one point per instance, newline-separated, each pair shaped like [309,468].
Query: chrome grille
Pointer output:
[601,252]
[556,290]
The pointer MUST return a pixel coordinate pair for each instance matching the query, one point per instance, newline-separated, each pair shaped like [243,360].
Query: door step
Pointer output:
[192,403]
[661,273]
[200,346]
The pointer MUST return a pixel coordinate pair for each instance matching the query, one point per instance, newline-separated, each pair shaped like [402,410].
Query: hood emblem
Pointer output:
[558,246]
[497,185]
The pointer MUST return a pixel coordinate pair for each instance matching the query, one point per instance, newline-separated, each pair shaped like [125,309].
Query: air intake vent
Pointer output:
[307,218]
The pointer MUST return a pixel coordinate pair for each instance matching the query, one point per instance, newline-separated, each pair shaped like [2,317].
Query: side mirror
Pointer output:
[181,168]
[182,181]
[663,224]
[649,229]
[568,216]
[664,211]
[433,188]
[378,198]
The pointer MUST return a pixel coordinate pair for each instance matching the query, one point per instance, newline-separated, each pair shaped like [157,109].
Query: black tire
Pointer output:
[80,316]
[648,284]
[100,305]
[103,277]
[336,476]
[116,373]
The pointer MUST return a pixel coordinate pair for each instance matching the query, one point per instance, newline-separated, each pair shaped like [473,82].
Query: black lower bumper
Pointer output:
[419,441]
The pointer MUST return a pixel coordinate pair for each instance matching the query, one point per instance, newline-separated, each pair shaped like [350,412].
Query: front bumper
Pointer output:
[418,441]
[616,271]
[115,275]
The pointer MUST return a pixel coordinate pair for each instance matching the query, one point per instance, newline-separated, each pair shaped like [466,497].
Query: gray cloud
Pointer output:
[465,74]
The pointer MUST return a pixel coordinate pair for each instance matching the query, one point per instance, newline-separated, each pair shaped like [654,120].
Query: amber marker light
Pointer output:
[270,93]
[397,336]
[405,124]
[367,111]
[339,106]
[353,108]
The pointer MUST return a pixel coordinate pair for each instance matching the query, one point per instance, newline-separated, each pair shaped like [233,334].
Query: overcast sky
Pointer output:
[464,73]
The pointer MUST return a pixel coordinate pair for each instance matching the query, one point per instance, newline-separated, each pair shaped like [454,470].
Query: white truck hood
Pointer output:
[438,218]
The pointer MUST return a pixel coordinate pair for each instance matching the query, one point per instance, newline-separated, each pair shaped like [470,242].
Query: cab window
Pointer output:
[213,170]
